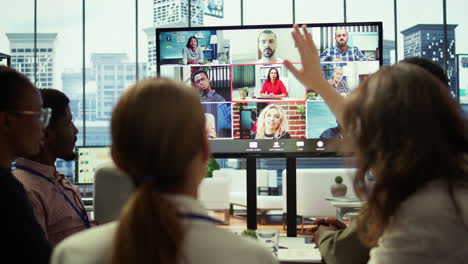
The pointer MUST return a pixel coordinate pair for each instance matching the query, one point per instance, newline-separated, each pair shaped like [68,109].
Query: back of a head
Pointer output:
[13,84]
[157,130]
[429,66]
[402,107]
[402,124]
[157,127]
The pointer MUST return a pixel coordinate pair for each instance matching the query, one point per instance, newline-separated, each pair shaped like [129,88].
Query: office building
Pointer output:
[72,83]
[113,73]
[427,41]
[151,41]
[22,53]
[174,13]
[388,52]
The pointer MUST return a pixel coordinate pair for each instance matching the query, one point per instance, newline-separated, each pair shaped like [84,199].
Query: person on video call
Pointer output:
[210,125]
[191,53]
[272,123]
[202,82]
[342,52]
[338,82]
[332,132]
[267,43]
[273,86]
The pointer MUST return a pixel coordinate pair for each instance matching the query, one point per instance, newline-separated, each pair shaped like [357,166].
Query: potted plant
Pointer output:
[301,110]
[338,189]
[311,96]
[249,233]
[244,92]
[212,166]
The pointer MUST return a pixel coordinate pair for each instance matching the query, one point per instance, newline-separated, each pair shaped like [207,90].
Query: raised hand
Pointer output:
[311,72]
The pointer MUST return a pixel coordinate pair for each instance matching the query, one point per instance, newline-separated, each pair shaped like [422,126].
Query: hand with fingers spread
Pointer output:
[311,72]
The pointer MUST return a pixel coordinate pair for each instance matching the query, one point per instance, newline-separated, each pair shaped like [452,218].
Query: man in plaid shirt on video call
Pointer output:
[342,52]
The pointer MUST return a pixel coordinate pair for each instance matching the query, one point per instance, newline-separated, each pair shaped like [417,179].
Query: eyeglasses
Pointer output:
[44,115]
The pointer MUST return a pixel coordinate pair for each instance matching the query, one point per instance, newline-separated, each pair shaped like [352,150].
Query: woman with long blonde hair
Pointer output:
[159,139]
[272,123]
[402,125]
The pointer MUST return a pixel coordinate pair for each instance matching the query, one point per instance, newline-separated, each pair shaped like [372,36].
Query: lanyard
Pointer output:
[202,218]
[81,213]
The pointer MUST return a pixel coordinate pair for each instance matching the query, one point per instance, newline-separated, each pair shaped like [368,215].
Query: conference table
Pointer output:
[298,250]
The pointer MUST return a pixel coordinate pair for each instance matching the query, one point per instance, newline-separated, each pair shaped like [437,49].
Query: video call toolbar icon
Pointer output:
[319,143]
[253,145]
[300,143]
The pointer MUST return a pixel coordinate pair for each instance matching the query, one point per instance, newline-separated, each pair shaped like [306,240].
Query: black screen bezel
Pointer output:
[333,151]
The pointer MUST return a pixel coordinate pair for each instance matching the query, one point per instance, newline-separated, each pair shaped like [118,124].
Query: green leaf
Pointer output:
[338,179]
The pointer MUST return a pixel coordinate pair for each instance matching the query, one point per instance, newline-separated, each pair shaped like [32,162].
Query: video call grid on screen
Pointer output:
[230,67]
[89,158]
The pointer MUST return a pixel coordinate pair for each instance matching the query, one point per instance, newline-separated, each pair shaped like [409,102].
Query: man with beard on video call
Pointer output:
[56,202]
[342,52]
[267,43]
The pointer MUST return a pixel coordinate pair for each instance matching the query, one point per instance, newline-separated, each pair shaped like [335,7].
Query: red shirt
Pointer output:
[276,89]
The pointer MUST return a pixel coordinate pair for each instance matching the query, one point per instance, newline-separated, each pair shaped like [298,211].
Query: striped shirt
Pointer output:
[54,214]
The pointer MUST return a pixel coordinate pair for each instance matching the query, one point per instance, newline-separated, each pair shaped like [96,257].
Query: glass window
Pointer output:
[456,18]
[114,48]
[422,32]
[263,12]
[410,26]
[63,25]
[367,10]
[222,13]
[18,23]
[315,11]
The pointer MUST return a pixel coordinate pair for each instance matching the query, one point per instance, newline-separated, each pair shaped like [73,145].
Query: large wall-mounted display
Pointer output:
[254,105]
[463,77]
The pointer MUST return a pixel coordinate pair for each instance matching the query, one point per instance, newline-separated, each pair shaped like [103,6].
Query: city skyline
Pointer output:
[68,23]
[427,41]
[110,29]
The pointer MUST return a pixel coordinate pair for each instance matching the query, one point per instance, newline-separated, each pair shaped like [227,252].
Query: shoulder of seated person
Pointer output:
[90,238]
[433,200]
[91,246]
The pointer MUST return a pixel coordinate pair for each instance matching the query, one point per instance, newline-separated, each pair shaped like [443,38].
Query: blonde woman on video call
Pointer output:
[272,123]
[164,150]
